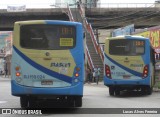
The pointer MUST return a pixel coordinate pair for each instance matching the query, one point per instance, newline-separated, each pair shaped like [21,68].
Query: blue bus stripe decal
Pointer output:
[43,69]
[125,68]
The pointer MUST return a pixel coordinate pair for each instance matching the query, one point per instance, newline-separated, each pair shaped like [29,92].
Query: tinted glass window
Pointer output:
[126,47]
[50,37]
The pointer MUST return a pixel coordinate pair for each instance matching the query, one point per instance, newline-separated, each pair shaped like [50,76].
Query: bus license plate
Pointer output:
[46,82]
[126,76]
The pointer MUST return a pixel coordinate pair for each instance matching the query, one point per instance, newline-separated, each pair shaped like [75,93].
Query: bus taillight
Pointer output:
[17,68]
[18,74]
[76,74]
[107,71]
[77,69]
[145,71]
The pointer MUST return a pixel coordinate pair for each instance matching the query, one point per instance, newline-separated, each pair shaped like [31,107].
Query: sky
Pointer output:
[127,1]
[49,2]
[52,1]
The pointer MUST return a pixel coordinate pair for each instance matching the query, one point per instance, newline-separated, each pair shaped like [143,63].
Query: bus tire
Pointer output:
[143,90]
[149,90]
[111,91]
[78,101]
[24,101]
[32,102]
[117,92]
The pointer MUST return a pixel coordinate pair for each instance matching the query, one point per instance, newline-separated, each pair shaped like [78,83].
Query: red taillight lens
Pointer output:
[107,71]
[18,74]
[145,71]
[76,74]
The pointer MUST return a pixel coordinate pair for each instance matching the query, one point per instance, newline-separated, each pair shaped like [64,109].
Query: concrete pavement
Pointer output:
[3,78]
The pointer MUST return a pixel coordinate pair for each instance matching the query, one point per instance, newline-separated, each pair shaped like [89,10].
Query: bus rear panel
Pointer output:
[47,61]
[128,64]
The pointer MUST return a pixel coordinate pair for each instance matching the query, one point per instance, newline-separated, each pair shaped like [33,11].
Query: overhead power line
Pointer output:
[125,20]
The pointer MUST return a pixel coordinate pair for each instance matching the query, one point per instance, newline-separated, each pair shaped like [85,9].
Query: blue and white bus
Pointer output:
[47,61]
[128,64]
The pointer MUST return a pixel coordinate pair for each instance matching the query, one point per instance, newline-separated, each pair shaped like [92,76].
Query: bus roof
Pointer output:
[47,22]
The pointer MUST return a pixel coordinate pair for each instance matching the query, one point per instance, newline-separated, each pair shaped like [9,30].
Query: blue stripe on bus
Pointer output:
[43,69]
[125,68]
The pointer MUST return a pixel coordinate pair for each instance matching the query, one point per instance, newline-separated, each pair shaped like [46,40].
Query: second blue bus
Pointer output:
[128,64]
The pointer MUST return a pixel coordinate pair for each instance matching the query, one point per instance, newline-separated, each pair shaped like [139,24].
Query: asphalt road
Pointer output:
[96,102]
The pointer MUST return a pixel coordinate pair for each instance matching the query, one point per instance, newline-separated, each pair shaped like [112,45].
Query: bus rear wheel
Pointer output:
[32,102]
[149,90]
[24,101]
[111,91]
[78,101]
[117,92]
[75,101]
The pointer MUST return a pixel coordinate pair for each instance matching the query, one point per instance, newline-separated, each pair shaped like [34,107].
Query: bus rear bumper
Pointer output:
[109,82]
[19,90]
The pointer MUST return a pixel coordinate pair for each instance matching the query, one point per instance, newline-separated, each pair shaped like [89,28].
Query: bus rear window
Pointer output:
[126,47]
[49,37]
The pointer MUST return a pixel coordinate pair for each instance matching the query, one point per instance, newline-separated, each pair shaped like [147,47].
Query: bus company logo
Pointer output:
[126,58]
[47,54]
[136,65]
[6,111]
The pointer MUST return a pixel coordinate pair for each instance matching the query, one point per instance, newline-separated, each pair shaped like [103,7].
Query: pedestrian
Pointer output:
[91,75]
[78,4]
[94,75]
[97,73]
[1,72]
[88,75]
[80,1]
[6,72]
[5,68]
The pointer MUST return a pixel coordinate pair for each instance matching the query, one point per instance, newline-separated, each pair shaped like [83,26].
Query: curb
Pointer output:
[5,78]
